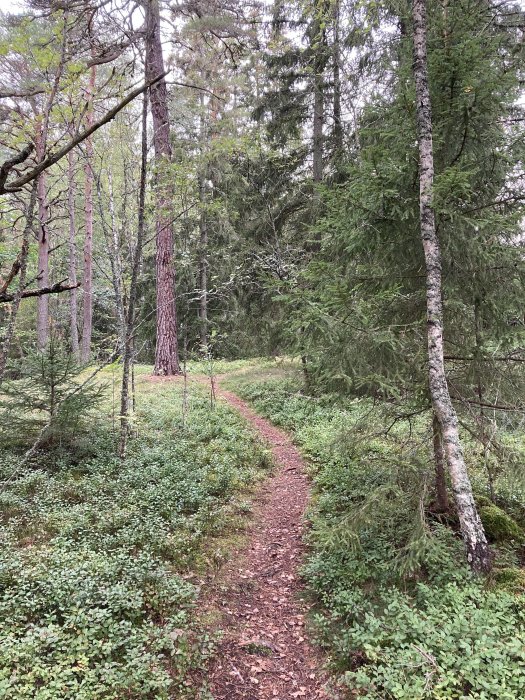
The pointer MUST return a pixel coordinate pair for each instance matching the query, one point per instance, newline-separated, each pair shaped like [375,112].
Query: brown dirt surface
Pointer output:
[264,652]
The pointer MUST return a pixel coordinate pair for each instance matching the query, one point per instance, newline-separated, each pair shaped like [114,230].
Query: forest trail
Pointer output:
[265,653]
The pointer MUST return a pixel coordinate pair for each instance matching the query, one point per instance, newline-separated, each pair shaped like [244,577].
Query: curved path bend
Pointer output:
[265,653]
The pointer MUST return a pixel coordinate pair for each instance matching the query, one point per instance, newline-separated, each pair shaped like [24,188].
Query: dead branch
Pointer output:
[53,158]
[57,288]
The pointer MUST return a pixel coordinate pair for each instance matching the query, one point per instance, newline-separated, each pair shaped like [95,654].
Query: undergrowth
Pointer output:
[101,559]
[398,611]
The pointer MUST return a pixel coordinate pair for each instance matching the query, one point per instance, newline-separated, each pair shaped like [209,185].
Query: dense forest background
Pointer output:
[334,184]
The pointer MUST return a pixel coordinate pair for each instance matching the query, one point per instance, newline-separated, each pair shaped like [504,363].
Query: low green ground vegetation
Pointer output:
[101,559]
[398,611]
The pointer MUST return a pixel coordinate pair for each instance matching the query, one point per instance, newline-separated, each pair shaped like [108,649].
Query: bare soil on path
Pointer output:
[265,653]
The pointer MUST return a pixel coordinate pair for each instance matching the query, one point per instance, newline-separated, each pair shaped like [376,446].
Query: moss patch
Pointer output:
[498,525]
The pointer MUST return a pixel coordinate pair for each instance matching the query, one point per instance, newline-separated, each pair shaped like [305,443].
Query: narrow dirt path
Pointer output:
[265,654]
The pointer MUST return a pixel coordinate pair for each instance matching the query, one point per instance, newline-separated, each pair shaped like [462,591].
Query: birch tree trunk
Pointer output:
[87,283]
[203,266]
[478,552]
[439,465]
[73,296]
[166,350]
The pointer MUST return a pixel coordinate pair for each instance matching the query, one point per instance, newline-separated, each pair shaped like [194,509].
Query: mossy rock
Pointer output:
[498,525]
[482,501]
[511,579]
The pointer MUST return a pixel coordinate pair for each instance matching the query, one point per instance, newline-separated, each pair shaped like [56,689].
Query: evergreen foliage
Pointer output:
[50,402]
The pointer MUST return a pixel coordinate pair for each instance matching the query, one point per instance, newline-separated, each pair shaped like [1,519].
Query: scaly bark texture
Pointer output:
[87,283]
[42,324]
[478,552]
[73,295]
[166,350]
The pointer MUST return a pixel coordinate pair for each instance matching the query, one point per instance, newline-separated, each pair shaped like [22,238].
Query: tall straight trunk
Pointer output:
[319,48]
[478,552]
[116,268]
[206,132]
[42,318]
[166,350]
[336,58]
[128,351]
[203,267]
[42,324]
[73,296]
[87,282]
[317,165]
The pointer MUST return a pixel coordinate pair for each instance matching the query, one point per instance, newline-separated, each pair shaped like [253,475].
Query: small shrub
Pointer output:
[49,404]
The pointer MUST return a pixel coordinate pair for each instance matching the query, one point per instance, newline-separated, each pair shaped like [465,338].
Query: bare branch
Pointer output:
[9,164]
[15,185]
[54,289]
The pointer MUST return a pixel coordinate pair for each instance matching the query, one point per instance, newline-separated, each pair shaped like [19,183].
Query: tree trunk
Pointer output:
[439,464]
[42,325]
[205,135]
[128,350]
[336,58]
[116,268]
[87,285]
[42,318]
[73,295]
[478,552]
[318,120]
[166,350]
[203,267]
[15,305]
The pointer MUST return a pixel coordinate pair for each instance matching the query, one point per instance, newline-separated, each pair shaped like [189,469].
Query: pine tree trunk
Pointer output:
[42,318]
[166,351]
[87,285]
[43,209]
[478,552]
[73,296]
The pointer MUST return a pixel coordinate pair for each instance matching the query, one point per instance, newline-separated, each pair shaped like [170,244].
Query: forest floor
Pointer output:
[264,652]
